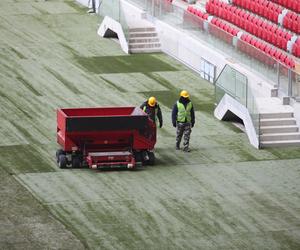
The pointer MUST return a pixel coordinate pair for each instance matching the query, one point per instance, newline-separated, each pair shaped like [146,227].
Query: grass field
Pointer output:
[223,195]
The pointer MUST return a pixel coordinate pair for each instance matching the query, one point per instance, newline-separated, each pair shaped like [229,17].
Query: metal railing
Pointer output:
[285,79]
[232,82]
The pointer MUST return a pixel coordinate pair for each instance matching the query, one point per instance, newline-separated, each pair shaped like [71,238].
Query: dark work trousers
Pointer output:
[183,129]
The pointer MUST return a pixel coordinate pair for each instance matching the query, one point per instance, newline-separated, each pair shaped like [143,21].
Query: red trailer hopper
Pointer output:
[105,137]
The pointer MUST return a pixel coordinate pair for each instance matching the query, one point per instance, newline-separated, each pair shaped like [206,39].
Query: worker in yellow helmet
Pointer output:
[151,107]
[183,118]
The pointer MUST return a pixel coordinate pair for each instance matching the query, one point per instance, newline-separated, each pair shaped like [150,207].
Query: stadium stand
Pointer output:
[296,48]
[291,21]
[250,23]
[290,4]
[247,43]
[264,8]
[273,12]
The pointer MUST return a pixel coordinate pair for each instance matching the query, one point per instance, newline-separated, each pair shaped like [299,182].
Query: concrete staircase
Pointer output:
[279,130]
[144,40]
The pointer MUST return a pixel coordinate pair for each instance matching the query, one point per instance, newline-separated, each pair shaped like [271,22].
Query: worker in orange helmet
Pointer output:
[152,109]
[183,118]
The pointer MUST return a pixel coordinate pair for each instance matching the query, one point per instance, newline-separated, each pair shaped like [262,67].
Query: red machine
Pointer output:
[105,137]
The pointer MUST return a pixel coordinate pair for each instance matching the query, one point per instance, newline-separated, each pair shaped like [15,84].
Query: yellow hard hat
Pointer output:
[184,94]
[152,101]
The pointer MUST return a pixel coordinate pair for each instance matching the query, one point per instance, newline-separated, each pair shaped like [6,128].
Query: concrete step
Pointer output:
[279,129]
[144,50]
[280,137]
[268,144]
[142,29]
[277,122]
[144,45]
[276,115]
[142,34]
[144,40]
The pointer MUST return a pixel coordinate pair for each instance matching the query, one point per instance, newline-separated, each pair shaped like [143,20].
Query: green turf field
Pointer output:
[223,195]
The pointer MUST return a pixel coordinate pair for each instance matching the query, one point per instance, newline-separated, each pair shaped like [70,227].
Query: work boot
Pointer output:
[186,150]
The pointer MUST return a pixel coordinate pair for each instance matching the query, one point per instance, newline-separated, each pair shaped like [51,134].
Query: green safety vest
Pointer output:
[155,114]
[184,114]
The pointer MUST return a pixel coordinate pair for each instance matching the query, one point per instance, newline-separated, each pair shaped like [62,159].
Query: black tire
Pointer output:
[76,163]
[151,160]
[138,158]
[62,161]
[58,153]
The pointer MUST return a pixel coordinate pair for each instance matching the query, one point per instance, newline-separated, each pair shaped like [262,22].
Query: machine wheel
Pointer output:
[76,162]
[151,160]
[58,153]
[62,161]
[138,158]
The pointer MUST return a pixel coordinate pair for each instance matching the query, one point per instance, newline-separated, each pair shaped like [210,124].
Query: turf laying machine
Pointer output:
[103,138]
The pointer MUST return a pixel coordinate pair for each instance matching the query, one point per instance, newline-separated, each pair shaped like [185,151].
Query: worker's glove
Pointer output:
[160,125]
[174,125]
[193,125]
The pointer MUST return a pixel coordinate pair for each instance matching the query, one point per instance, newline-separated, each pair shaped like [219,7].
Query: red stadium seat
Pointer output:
[282,57]
[296,50]
[218,22]
[248,39]
[243,37]
[272,52]
[268,49]
[205,16]
[214,20]
[277,54]
[262,46]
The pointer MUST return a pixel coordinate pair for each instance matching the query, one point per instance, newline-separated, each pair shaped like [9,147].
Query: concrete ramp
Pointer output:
[111,28]
[229,105]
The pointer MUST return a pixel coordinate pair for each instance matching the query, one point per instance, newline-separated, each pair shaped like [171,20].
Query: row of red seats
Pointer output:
[291,21]
[267,49]
[195,17]
[290,4]
[268,57]
[263,8]
[224,26]
[223,31]
[197,12]
[296,48]
[256,53]
[271,11]
[249,22]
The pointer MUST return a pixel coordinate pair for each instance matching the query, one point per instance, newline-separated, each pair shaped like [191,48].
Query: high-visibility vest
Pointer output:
[184,113]
[155,112]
